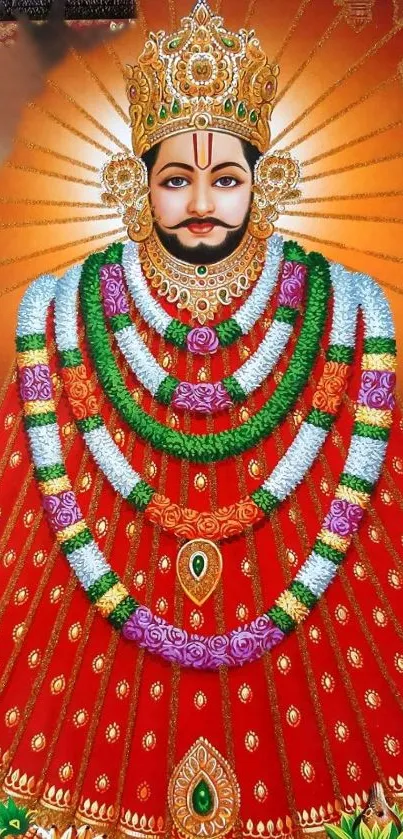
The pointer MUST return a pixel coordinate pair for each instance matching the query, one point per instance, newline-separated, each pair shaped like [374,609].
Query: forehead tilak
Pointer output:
[202,148]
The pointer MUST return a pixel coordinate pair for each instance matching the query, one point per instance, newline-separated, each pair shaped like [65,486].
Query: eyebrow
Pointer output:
[180,165]
[227,163]
[191,168]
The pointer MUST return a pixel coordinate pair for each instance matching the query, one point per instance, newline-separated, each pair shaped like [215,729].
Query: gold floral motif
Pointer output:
[392,745]
[66,772]
[55,486]
[293,716]
[395,578]
[379,361]
[353,770]
[315,634]
[341,731]
[149,741]
[354,657]
[307,771]
[81,718]
[9,558]
[156,690]
[200,700]
[32,357]
[340,543]
[328,682]
[353,496]
[374,416]
[38,742]
[38,407]
[108,602]
[34,658]
[204,766]
[245,693]
[70,531]
[15,459]
[251,741]
[284,664]
[125,179]
[276,177]
[260,791]
[12,717]
[372,699]
[57,685]
[98,663]
[292,606]
[357,13]
[199,585]
[164,564]
[122,689]
[180,283]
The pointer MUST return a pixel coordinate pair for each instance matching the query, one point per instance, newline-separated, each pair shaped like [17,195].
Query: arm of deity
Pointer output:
[25,65]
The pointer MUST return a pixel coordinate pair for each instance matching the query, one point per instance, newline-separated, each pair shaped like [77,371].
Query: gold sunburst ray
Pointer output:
[102,87]
[250,11]
[59,121]
[383,129]
[290,31]
[43,202]
[90,117]
[58,155]
[357,65]
[53,268]
[55,248]
[328,242]
[350,196]
[314,51]
[343,217]
[47,221]
[353,166]
[373,91]
[22,167]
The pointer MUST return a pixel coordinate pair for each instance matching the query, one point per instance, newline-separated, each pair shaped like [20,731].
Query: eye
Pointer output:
[176,182]
[226,181]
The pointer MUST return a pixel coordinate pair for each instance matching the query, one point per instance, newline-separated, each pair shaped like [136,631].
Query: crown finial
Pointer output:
[201,76]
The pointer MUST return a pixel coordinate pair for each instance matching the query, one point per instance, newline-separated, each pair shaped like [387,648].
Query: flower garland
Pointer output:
[232,519]
[203,340]
[373,418]
[204,398]
[204,448]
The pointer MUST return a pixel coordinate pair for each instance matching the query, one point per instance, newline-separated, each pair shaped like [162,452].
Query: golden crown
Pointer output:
[202,76]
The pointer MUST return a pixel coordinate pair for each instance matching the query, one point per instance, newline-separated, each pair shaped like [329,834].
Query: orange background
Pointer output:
[339,110]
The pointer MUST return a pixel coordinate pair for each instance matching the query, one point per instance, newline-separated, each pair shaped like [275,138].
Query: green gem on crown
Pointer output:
[176,107]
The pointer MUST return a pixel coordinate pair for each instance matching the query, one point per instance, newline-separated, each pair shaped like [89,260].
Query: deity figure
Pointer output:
[202,560]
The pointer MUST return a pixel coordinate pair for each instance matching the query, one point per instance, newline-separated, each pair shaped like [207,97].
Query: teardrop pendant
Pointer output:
[203,794]
[199,568]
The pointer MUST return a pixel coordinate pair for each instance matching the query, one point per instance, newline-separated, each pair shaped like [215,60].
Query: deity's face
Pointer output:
[200,192]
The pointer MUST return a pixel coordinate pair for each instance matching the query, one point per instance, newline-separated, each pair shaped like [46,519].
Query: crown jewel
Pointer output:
[202,76]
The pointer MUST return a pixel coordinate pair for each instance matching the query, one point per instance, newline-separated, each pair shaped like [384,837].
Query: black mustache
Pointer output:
[206,220]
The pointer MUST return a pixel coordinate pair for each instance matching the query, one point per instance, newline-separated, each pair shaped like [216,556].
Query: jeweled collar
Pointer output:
[202,289]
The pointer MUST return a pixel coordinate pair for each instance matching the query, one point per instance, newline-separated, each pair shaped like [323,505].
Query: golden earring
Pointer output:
[126,180]
[275,178]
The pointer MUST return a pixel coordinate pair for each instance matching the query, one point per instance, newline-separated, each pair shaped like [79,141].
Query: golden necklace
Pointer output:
[201,289]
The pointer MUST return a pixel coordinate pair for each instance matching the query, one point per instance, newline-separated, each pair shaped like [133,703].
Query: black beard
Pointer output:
[202,254]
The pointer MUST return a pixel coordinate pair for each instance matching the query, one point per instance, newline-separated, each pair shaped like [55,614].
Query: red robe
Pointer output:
[91,728]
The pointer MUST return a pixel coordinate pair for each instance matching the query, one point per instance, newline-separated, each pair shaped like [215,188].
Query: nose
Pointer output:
[201,202]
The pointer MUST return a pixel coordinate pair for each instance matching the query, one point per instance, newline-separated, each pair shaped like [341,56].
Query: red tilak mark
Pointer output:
[201,153]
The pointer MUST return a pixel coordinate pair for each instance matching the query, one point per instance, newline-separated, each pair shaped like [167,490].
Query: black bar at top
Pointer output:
[74,9]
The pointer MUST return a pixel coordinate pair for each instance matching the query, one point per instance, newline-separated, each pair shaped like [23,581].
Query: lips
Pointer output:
[201,228]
